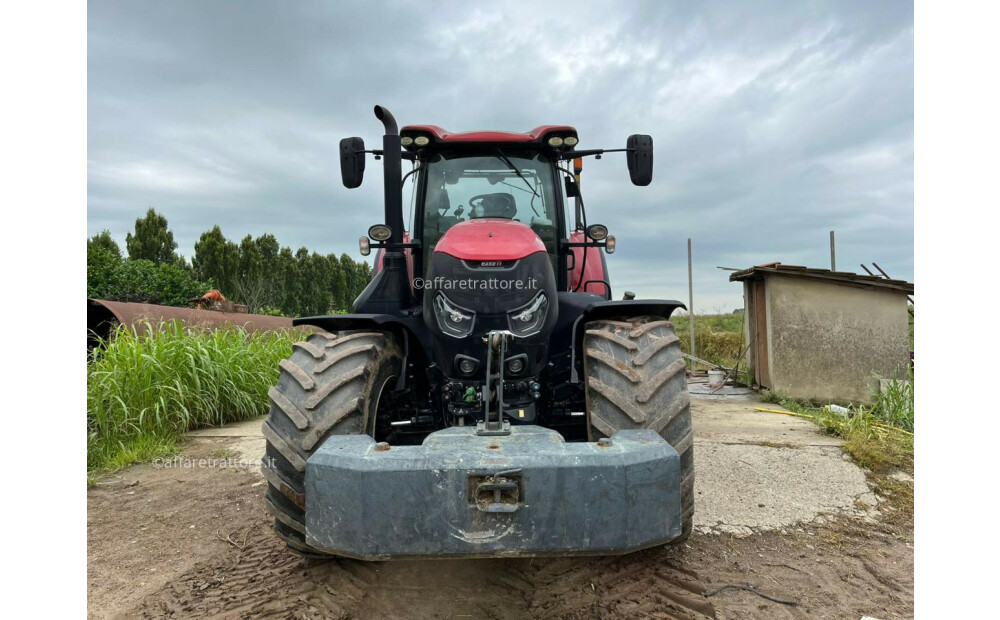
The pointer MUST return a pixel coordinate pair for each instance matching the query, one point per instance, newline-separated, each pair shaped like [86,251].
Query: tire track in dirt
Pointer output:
[268,581]
[634,586]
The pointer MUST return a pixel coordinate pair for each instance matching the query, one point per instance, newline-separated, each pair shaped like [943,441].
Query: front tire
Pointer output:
[635,375]
[331,385]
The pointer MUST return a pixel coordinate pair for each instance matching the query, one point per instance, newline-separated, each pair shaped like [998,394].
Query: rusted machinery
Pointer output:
[103,316]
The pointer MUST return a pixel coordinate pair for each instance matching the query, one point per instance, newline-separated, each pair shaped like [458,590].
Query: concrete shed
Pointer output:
[824,335]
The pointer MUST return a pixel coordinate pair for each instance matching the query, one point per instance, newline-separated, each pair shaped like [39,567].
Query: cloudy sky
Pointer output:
[773,123]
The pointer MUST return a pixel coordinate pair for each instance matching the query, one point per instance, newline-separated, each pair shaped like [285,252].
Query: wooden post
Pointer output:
[691,303]
[833,253]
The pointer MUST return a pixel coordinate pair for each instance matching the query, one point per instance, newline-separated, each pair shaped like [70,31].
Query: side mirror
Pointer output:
[352,161]
[640,158]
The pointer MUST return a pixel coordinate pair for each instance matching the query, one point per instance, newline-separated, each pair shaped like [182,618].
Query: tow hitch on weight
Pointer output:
[500,492]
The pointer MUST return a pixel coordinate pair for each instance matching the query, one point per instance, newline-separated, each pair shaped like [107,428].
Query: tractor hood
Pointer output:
[491,266]
[490,239]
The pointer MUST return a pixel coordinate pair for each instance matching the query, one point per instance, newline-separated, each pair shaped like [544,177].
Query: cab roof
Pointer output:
[439,134]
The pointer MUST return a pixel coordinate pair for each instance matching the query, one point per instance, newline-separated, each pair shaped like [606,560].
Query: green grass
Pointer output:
[718,337]
[895,405]
[715,322]
[145,390]
[103,459]
[879,438]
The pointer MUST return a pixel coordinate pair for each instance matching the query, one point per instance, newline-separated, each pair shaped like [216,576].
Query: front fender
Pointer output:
[410,330]
[611,309]
[631,308]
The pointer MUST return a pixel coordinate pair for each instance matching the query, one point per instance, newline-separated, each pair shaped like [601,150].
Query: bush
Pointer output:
[270,311]
[144,390]
[111,277]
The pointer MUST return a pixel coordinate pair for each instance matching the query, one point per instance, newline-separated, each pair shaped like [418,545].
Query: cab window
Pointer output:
[514,186]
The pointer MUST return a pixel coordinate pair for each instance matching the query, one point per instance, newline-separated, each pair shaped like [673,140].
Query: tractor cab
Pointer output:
[519,177]
[456,186]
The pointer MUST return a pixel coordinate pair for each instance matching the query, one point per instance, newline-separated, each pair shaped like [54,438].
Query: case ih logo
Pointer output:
[491,263]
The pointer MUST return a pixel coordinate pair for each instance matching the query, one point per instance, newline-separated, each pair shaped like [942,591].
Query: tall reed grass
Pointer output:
[146,387]
[894,403]
[718,337]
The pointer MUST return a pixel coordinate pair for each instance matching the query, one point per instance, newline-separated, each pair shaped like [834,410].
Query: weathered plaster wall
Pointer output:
[828,340]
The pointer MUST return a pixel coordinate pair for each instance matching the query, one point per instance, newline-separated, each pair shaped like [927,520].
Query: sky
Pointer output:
[773,122]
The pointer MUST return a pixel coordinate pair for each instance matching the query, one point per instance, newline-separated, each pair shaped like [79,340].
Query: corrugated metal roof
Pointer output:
[845,277]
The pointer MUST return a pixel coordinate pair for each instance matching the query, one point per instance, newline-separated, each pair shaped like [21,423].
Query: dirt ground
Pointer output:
[196,541]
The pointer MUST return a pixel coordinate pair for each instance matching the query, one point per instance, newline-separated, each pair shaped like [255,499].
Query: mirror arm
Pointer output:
[589,243]
[379,153]
[567,155]
[415,244]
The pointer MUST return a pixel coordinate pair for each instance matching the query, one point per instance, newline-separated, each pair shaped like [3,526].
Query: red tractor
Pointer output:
[486,396]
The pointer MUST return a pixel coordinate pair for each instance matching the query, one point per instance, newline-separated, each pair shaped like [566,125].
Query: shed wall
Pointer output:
[827,340]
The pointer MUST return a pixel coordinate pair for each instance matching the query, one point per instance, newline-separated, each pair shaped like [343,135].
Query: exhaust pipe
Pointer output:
[392,165]
[383,114]
[393,287]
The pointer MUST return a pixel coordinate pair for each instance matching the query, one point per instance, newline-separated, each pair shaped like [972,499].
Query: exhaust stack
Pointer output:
[392,166]
[389,291]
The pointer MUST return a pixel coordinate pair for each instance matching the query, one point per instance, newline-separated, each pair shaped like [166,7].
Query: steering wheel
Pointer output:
[493,205]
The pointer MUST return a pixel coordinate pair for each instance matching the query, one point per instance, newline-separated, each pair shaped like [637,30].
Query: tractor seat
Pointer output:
[497,205]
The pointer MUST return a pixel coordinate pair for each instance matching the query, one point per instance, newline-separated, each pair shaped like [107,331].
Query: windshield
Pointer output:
[513,186]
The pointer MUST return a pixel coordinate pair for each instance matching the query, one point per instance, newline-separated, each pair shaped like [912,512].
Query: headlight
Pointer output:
[597,232]
[528,320]
[452,320]
[381,232]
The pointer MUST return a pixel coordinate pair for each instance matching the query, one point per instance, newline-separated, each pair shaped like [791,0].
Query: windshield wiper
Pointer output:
[511,165]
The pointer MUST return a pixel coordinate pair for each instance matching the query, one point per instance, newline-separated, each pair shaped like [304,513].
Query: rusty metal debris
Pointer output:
[103,316]
[214,300]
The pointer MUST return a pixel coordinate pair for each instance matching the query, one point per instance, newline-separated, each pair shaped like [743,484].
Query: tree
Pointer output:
[364,276]
[312,300]
[182,263]
[250,260]
[256,284]
[102,263]
[269,249]
[290,282]
[103,241]
[257,272]
[336,283]
[152,240]
[217,261]
[350,290]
